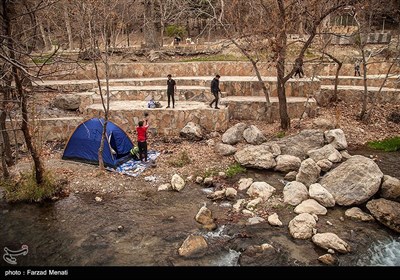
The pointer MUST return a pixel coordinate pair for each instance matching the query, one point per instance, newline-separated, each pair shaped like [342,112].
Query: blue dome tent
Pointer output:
[84,144]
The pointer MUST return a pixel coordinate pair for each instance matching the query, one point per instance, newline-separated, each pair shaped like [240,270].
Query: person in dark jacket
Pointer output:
[215,90]
[298,65]
[171,88]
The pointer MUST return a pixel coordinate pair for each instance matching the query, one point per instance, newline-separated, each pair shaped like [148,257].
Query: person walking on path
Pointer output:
[357,68]
[298,65]
[215,90]
[171,88]
[141,130]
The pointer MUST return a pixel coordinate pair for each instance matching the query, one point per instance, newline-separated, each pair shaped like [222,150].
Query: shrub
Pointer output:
[387,145]
[234,169]
[175,30]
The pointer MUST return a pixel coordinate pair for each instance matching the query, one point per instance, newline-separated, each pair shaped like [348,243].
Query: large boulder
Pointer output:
[390,188]
[192,131]
[193,246]
[225,149]
[261,189]
[354,181]
[386,211]
[245,183]
[301,227]
[298,145]
[286,163]
[234,134]
[294,193]
[326,152]
[330,240]
[309,172]
[310,206]
[336,138]
[253,135]
[67,102]
[256,157]
[320,194]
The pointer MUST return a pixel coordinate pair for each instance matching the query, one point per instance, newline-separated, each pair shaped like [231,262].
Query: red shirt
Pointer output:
[141,133]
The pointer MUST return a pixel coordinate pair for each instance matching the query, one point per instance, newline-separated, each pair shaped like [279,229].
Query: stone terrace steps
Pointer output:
[393,81]
[232,85]
[355,94]
[159,93]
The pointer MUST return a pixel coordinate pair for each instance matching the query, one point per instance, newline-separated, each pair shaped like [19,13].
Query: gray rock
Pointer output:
[193,246]
[390,188]
[177,182]
[217,195]
[386,211]
[291,176]
[325,165]
[245,183]
[323,124]
[345,154]
[326,152]
[234,134]
[255,220]
[301,227]
[253,203]
[310,206]
[165,187]
[210,142]
[336,138]
[330,240]
[204,216]
[230,193]
[256,157]
[294,193]
[308,173]
[286,163]
[253,135]
[236,207]
[273,220]
[192,131]
[357,214]
[298,145]
[354,181]
[225,149]
[67,102]
[327,259]
[247,212]
[208,181]
[320,194]
[199,179]
[261,189]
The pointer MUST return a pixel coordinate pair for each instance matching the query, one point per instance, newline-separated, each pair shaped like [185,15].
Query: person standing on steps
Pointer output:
[171,88]
[357,68]
[215,90]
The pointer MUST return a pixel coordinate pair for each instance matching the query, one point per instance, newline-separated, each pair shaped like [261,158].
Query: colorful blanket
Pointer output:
[135,167]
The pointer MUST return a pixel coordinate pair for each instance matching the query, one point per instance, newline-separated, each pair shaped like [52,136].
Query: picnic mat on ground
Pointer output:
[135,167]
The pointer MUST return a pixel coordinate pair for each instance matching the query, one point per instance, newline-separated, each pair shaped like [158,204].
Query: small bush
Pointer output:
[210,172]
[26,189]
[182,160]
[280,134]
[175,30]
[387,145]
[235,169]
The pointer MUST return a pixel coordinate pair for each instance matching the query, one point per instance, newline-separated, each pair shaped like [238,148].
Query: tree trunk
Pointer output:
[68,27]
[5,138]
[43,34]
[365,95]
[150,29]
[339,66]
[6,173]
[39,170]
[285,120]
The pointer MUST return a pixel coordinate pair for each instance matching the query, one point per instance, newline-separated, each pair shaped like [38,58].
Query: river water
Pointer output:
[146,228]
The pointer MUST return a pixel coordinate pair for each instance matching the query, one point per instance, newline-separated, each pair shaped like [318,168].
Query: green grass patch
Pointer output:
[387,145]
[234,169]
[42,59]
[27,190]
[210,172]
[182,160]
[280,134]
[220,57]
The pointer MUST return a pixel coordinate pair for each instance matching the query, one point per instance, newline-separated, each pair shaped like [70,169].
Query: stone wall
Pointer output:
[51,129]
[166,122]
[256,110]
[224,68]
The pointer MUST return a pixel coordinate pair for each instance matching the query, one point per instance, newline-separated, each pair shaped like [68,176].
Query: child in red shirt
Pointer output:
[142,139]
